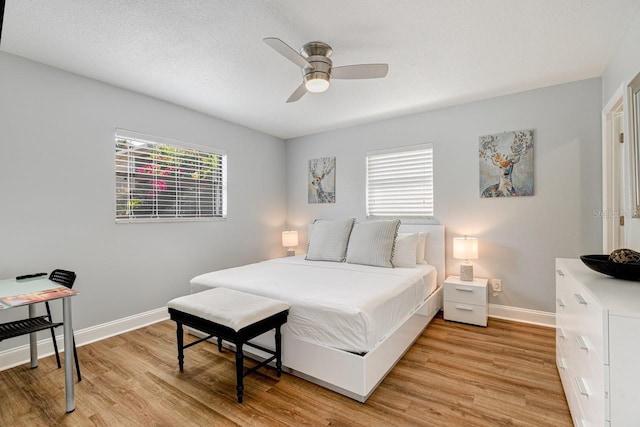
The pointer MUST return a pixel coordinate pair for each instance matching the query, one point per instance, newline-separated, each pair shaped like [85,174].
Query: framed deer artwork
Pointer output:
[506,164]
[322,180]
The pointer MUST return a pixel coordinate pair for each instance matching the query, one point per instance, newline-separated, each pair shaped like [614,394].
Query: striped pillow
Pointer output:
[328,241]
[373,242]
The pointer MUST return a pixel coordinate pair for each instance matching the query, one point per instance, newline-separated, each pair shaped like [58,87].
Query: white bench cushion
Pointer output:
[228,307]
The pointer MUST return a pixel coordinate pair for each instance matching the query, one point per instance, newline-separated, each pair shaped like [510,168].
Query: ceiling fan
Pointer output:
[317,68]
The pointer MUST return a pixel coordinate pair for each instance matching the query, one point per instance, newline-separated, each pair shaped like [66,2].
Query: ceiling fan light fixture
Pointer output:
[316,82]
[316,85]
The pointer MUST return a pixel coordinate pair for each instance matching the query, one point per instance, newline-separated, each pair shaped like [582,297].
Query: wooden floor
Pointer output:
[454,375]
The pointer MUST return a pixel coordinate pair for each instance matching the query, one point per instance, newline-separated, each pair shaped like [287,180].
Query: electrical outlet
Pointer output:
[496,285]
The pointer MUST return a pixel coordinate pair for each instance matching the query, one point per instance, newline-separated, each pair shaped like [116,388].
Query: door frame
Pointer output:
[610,204]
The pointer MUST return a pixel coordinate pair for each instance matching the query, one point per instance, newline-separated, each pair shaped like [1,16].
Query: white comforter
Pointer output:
[346,306]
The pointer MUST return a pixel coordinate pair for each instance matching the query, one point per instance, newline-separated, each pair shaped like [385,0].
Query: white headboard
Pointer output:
[434,252]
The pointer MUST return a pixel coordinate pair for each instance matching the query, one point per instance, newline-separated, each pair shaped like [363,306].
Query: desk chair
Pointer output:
[35,324]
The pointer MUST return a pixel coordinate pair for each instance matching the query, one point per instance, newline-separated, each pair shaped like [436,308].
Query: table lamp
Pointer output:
[465,248]
[290,241]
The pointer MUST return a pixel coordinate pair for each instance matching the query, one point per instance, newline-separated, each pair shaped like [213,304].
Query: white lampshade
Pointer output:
[465,248]
[289,239]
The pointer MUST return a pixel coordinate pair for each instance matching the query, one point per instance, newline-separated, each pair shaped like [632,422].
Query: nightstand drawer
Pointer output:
[468,294]
[465,313]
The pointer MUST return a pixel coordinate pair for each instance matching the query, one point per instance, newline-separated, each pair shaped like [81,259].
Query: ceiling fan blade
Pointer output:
[361,71]
[287,51]
[297,94]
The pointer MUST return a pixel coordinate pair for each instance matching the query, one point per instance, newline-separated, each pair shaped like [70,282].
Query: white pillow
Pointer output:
[372,243]
[328,240]
[420,249]
[405,252]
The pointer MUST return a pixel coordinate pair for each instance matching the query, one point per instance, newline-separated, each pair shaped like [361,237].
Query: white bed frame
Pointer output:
[350,374]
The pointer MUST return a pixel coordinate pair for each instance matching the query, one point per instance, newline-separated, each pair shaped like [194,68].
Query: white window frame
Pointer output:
[399,183]
[208,202]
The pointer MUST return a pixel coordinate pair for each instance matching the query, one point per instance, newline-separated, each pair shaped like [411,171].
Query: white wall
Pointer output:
[624,66]
[625,62]
[57,194]
[519,237]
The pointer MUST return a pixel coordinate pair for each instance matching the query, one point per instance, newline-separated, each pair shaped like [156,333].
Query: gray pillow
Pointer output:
[373,242]
[328,240]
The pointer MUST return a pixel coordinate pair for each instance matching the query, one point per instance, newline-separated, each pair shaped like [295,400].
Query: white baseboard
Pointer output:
[20,355]
[523,315]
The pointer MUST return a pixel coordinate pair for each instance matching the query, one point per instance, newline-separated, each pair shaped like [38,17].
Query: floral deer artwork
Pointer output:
[322,180]
[515,146]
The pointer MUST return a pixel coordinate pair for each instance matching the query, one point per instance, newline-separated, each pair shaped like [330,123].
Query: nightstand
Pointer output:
[466,302]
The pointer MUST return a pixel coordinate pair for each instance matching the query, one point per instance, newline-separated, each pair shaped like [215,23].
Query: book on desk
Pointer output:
[39,296]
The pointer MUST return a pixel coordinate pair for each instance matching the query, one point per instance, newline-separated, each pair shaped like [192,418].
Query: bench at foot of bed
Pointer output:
[232,316]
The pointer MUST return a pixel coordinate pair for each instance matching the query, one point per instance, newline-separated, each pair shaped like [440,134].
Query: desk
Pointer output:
[12,287]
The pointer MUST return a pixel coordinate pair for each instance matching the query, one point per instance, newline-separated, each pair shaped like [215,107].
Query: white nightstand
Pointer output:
[466,302]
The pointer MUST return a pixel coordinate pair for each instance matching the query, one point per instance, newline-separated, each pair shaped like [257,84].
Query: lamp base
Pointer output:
[466,272]
[291,252]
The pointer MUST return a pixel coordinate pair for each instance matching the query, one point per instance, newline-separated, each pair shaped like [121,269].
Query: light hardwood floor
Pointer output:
[454,375]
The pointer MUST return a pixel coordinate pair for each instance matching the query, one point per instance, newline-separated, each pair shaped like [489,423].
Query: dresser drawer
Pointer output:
[580,316]
[465,313]
[570,392]
[587,322]
[563,369]
[589,380]
[563,344]
[467,294]
[590,399]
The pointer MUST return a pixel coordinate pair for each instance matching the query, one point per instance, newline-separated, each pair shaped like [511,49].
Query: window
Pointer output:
[163,180]
[400,182]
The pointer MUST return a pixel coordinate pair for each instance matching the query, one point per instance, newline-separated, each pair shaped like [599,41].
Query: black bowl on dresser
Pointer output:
[601,264]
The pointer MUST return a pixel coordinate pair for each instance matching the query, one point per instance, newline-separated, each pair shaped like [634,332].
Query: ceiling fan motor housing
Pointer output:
[317,54]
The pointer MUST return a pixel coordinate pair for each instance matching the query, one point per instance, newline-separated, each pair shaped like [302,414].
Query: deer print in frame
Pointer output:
[322,180]
[506,164]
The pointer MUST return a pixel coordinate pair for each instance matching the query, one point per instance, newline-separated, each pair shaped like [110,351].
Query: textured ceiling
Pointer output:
[208,55]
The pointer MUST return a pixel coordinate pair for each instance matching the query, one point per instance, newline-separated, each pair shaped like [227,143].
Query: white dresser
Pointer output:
[598,345]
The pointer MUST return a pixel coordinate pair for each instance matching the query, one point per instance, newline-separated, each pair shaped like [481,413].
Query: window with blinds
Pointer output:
[400,182]
[164,180]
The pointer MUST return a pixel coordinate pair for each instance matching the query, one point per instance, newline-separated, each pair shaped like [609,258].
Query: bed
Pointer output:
[348,324]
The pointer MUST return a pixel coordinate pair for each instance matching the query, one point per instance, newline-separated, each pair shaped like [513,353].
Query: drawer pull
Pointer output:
[560,273]
[464,308]
[560,333]
[582,386]
[464,289]
[560,302]
[561,363]
[580,299]
[582,343]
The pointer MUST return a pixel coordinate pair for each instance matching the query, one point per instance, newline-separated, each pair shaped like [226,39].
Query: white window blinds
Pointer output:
[163,180]
[400,182]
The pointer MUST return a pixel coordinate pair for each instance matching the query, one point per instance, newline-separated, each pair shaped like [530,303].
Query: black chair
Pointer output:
[36,324]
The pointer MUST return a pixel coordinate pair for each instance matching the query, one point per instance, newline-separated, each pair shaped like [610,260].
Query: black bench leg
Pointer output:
[180,336]
[278,351]
[220,344]
[239,371]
